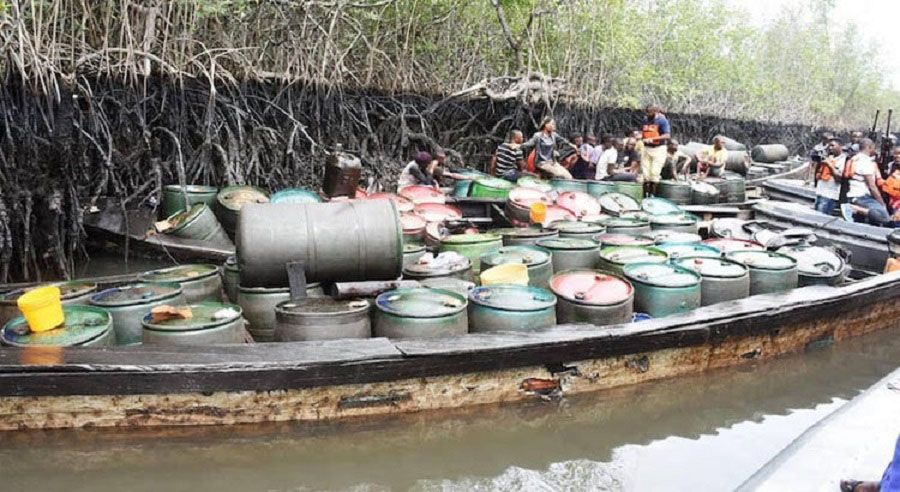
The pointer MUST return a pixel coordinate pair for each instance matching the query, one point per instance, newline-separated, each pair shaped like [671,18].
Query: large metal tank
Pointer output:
[129,304]
[420,313]
[723,280]
[769,153]
[816,265]
[769,272]
[84,326]
[211,323]
[258,305]
[577,230]
[571,254]
[337,241]
[322,318]
[589,296]
[173,198]
[536,259]
[199,282]
[525,236]
[472,246]
[676,191]
[663,289]
[231,200]
[520,308]
[614,259]
[199,223]
[627,225]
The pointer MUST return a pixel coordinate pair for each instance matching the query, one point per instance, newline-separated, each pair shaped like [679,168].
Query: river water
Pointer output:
[705,432]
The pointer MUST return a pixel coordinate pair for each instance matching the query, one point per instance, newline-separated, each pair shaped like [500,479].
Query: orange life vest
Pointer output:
[823,173]
[650,131]
[529,162]
[891,186]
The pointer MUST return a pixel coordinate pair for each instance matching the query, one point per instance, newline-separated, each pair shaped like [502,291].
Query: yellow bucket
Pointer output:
[42,308]
[538,212]
[510,273]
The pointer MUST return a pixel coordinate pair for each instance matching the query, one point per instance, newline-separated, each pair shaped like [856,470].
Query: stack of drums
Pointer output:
[212,323]
[536,259]
[769,272]
[571,254]
[723,279]
[321,318]
[403,205]
[173,198]
[200,282]
[500,308]
[420,313]
[129,304]
[84,326]
[589,296]
[662,289]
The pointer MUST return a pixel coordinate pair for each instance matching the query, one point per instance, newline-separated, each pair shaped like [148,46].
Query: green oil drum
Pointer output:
[769,272]
[561,185]
[577,230]
[660,206]
[84,326]
[678,250]
[496,188]
[258,305]
[600,188]
[618,203]
[722,279]
[676,191]
[295,195]
[199,223]
[230,201]
[589,296]
[412,253]
[632,189]
[472,246]
[173,198]
[525,236]
[816,265]
[703,193]
[71,293]
[769,153]
[462,287]
[537,259]
[129,304]
[662,289]
[661,236]
[200,282]
[734,188]
[571,254]
[425,271]
[420,313]
[627,225]
[212,323]
[322,318]
[521,308]
[535,183]
[608,239]
[728,245]
[680,222]
[231,278]
[461,187]
[613,259]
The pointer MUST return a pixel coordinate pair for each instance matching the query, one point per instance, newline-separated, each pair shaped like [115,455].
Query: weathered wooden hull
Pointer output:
[790,190]
[318,381]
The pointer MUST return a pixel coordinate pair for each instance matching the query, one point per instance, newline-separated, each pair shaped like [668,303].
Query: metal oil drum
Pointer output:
[457,285]
[322,318]
[231,200]
[599,188]
[535,183]
[677,191]
[627,225]
[537,259]
[343,241]
[200,223]
[577,230]
[734,188]
[595,218]
[769,272]
[342,172]
[719,184]
[589,296]
[461,186]
[580,203]
[420,313]
[258,305]
[525,236]
[661,236]
[660,206]
[728,245]
[211,323]
[620,239]
[295,195]
[816,265]
[403,205]
[437,212]
[571,254]
[173,199]
[419,194]
[129,304]
[84,326]
[769,153]
[722,279]
[703,193]
[498,308]
[562,185]
[680,222]
[472,246]
[618,203]
[412,253]
[423,271]
[520,200]
[413,228]
[679,250]
[556,213]
[231,278]
[614,259]
[72,293]
[200,282]
[496,188]
[633,189]
[663,289]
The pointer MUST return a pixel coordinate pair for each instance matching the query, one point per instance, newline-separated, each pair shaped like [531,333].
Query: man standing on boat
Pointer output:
[860,174]
[655,135]
[827,173]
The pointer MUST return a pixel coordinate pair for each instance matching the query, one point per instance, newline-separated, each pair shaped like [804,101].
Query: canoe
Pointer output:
[798,171]
[790,190]
[108,223]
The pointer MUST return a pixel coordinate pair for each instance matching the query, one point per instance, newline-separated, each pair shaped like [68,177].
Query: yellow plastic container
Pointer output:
[42,308]
[509,273]
[538,212]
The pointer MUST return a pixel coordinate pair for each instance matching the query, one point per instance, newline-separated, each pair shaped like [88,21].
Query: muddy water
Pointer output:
[707,432]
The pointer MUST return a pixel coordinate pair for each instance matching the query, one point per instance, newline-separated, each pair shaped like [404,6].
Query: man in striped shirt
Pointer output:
[508,159]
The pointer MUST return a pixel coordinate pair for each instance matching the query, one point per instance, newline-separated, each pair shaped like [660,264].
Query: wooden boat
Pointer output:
[108,223]
[867,244]
[790,190]
[798,172]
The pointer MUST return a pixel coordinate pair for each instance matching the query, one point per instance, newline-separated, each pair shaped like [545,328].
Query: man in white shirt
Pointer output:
[604,160]
[865,199]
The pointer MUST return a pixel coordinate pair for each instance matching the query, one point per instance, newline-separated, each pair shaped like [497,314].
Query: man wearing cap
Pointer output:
[655,134]
[420,171]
